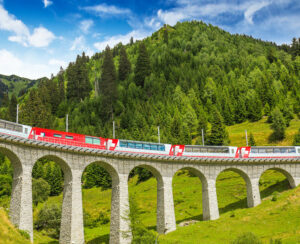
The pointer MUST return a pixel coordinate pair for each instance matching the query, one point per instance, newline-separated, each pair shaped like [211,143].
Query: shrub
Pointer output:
[40,190]
[247,238]
[25,234]
[49,219]
[5,185]
[275,196]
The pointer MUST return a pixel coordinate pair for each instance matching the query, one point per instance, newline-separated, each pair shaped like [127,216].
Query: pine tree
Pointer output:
[38,170]
[124,65]
[5,100]
[56,181]
[61,85]
[131,41]
[218,134]
[12,108]
[142,68]
[108,85]
[251,140]
[278,125]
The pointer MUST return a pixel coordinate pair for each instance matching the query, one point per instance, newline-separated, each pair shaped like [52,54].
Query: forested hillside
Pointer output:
[184,78]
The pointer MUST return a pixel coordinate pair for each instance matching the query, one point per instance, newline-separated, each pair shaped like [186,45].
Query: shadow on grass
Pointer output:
[100,239]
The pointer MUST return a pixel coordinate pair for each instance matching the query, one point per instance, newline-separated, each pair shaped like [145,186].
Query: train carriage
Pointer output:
[14,129]
[272,152]
[206,151]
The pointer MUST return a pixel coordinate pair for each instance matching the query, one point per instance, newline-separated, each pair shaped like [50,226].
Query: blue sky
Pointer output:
[39,36]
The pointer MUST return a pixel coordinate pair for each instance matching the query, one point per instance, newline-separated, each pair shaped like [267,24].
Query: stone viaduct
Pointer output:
[24,153]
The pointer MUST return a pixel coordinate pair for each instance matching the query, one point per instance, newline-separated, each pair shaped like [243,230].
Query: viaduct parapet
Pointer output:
[24,153]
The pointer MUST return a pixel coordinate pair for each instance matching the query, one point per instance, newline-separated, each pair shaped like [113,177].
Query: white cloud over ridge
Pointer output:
[104,10]
[41,37]
[11,64]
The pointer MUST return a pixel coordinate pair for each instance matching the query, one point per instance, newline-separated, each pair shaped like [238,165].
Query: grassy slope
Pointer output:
[8,233]
[261,131]
[231,192]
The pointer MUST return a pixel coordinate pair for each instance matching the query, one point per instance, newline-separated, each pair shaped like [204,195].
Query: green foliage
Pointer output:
[247,238]
[252,140]
[218,135]
[278,125]
[12,108]
[24,233]
[108,86]
[96,176]
[297,139]
[142,67]
[124,65]
[5,185]
[49,218]
[140,234]
[40,190]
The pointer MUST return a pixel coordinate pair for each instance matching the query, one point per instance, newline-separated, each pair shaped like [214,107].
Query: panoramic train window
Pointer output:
[57,135]
[140,145]
[92,140]
[274,150]
[69,137]
[2,124]
[200,149]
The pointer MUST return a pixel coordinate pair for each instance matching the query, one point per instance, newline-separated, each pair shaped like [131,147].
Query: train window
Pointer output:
[25,130]
[298,150]
[147,146]
[269,150]
[139,146]
[232,151]
[262,150]
[254,150]
[2,124]
[196,149]
[292,150]
[131,145]
[42,134]
[276,150]
[153,147]
[9,126]
[188,149]
[162,147]
[88,140]
[123,144]
[57,135]
[69,137]
[283,150]
[96,141]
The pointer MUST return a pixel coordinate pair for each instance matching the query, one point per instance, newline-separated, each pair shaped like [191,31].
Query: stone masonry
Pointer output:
[24,153]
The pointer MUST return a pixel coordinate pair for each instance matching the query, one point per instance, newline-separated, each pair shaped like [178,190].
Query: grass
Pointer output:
[261,131]
[231,193]
[8,233]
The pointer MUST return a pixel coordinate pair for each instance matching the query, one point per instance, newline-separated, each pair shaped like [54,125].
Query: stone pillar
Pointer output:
[209,200]
[71,229]
[166,221]
[21,199]
[119,223]
[253,194]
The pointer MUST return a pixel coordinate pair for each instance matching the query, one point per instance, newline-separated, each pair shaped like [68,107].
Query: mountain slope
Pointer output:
[8,233]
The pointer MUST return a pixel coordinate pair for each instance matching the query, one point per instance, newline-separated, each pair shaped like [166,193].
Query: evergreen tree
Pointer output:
[56,181]
[38,170]
[61,85]
[218,135]
[297,139]
[131,41]
[251,140]
[108,85]
[5,100]
[12,108]
[278,125]
[124,64]
[166,35]
[96,176]
[142,68]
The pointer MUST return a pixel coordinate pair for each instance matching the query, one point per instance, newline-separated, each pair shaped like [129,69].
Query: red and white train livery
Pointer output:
[78,140]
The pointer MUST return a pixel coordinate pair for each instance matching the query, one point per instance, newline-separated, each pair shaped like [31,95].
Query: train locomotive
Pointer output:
[140,147]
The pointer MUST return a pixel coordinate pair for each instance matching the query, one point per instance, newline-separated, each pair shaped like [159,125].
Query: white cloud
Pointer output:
[79,44]
[58,62]
[32,69]
[104,10]
[85,25]
[113,40]
[252,9]
[47,3]
[41,37]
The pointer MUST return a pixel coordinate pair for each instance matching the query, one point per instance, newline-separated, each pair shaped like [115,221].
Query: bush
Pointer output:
[40,191]
[297,139]
[25,234]
[49,219]
[247,238]
[275,196]
[5,185]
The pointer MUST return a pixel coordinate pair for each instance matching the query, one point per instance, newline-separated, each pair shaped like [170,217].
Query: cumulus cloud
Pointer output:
[41,37]
[113,40]
[79,44]
[47,3]
[252,9]
[104,10]
[32,69]
[85,25]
